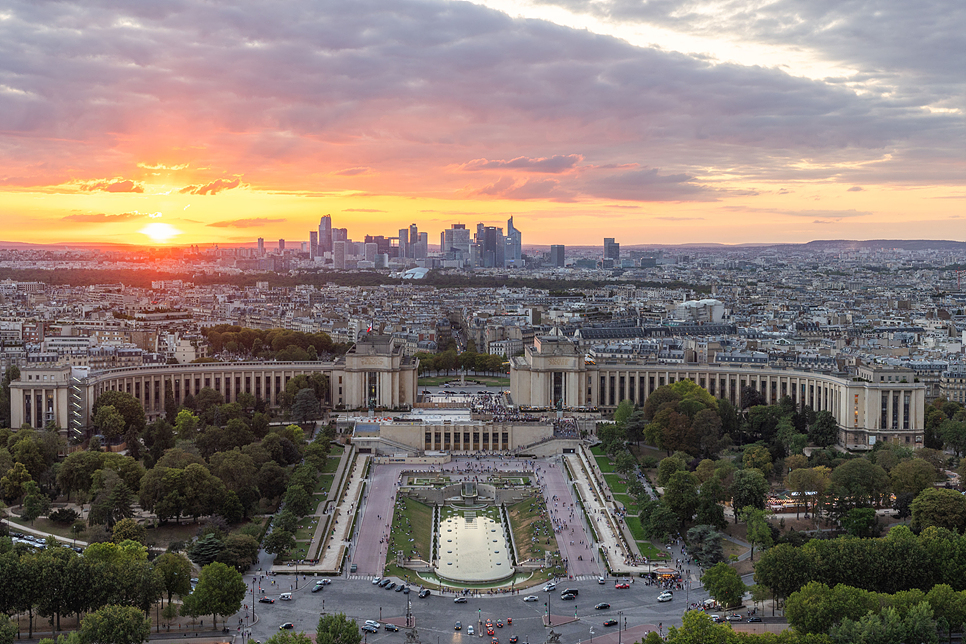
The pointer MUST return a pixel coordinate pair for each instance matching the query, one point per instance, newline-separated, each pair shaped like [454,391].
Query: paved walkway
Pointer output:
[574,541]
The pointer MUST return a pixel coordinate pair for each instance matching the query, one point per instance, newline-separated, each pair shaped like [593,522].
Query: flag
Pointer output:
[369,328]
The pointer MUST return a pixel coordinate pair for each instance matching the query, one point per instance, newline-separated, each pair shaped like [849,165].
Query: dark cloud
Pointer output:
[112,185]
[855,189]
[212,188]
[246,223]
[552,165]
[648,184]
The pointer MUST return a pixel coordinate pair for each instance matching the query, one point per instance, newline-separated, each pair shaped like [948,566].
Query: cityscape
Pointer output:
[520,322]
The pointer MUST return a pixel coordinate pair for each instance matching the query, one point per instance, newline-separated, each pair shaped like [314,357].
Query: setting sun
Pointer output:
[160,232]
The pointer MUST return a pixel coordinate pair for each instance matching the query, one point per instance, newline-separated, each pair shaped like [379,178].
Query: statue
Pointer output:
[412,637]
[553,637]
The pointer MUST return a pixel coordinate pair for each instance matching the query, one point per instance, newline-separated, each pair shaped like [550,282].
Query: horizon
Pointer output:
[731,124]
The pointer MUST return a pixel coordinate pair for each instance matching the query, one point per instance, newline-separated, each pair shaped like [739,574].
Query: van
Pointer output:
[285,597]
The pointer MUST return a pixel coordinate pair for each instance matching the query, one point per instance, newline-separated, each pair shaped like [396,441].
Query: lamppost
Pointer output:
[296,574]
[253,598]
[620,622]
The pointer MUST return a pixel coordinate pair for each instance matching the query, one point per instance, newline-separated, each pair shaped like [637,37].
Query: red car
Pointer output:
[622,585]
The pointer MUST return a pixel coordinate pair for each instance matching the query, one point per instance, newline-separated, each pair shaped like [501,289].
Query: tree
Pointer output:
[278,542]
[8,630]
[271,480]
[113,500]
[784,569]
[940,508]
[35,502]
[306,406]
[623,412]
[953,434]
[748,488]
[115,625]
[337,629]
[759,530]
[824,432]
[704,542]
[289,637]
[206,550]
[109,422]
[758,457]
[13,484]
[175,572]
[220,591]
[625,463]
[724,584]
[77,471]
[860,522]
[129,529]
[913,476]
[239,552]
[706,431]
[127,405]
[696,628]
[681,495]
[859,482]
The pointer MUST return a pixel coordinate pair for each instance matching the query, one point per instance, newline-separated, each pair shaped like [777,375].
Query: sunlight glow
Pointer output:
[160,233]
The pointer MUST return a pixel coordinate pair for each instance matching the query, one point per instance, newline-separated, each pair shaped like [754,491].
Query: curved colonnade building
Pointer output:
[374,372]
[553,372]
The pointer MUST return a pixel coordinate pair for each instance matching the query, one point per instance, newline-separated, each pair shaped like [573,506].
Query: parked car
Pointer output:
[754,618]
[376,581]
[405,590]
[424,593]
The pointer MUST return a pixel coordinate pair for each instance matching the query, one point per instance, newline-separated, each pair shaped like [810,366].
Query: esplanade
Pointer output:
[374,373]
[555,373]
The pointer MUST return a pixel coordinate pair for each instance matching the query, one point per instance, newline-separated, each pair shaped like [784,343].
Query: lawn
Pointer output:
[616,483]
[603,461]
[411,520]
[331,464]
[438,381]
[531,529]
[651,551]
[635,527]
[324,485]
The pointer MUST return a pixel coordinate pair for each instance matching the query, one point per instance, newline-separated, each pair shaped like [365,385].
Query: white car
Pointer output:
[666,596]
[550,585]
[531,598]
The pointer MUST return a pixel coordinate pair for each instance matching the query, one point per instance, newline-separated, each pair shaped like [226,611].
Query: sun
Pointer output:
[160,233]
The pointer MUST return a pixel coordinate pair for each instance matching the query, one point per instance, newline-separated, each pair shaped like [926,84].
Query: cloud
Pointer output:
[680,218]
[855,189]
[246,223]
[351,172]
[213,188]
[648,184]
[161,166]
[101,218]
[509,188]
[552,165]
[362,210]
[112,185]
[826,214]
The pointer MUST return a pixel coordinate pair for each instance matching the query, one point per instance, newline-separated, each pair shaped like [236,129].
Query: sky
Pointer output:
[651,121]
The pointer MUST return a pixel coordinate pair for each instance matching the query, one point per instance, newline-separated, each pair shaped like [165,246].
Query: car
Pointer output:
[568,597]
[733,617]
[458,626]
[424,593]
[716,619]
[490,631]
[405,590]
[266,600]
[391,585]
[570,591]
[549,586]
[459,600]
[372,622]
[354,568]
[285,597]
[494,640]
[392,628]
[286,626]
[531,598]
[622,585]
[324,582]
[317,587]
[369,628]
[514,639]
[601,581]
[611,622]
[399,588]
[602,606]
[666,596]
[376,581]
[470,630]
[499,623]
[754,618]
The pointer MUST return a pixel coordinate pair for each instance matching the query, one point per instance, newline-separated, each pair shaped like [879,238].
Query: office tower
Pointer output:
[304,247]
[460,239]
[514,245]
[422,248]
[612,250]
[281,246]
[325,235]
[372,249]
[557,255]
[494,247]
[413,240]
[261,247]
[338,254]
[313,243]
[444,245]
[340,234]
[403,243]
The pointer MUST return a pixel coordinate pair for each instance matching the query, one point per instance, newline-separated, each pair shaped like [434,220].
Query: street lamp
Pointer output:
[620,620]
[591,635]
[254,578]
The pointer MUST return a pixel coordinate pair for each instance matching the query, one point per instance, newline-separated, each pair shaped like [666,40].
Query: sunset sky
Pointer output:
[665,121]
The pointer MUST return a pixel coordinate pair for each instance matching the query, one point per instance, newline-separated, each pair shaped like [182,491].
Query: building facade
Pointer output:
[553,372]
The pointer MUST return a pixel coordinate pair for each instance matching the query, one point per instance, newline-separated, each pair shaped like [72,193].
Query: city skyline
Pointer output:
[195,124]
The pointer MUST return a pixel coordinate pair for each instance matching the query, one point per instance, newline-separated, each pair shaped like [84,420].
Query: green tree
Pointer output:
[748,488]
[784,569]
[681,495]
[940,508]
[207,549]
[8,630]
[129,529]
[14,482]
[667,467]
[625,463]
[272,479]
[109,422]
[758,457]
[306,406]
[623,413]
[704,543]
[824,432]
[175,571]
[35,502]
[239,552]
[186,425]
[127,405]
[289,637]
[278,542]
[337,629]
[912,476]
[220,591]
[115,625]
[724,584]
[860,522]
[113,500]
[953,433]
[697,628]
[77,471]
[859,482]
[759,530]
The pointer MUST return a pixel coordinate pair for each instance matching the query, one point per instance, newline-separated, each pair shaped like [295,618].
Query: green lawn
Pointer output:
[651,551]
[411,520]
[531,528]
[336,450]
[331,464]
[489,381]
[616,483]
[635,527]
[603,461]
[324,484]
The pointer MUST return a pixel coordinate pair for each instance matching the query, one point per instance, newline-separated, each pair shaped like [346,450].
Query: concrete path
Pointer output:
[574,541]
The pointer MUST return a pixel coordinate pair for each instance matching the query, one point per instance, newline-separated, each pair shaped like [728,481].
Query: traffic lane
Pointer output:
[555,483]
[436,615]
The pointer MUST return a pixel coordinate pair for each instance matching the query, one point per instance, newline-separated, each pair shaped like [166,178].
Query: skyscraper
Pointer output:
[413,240]
[261,247]
[422,248]
[313,243]
[325,235]
[281,246]
[338,254]
[514,245]
[612,250]
[557,252]
[403,242]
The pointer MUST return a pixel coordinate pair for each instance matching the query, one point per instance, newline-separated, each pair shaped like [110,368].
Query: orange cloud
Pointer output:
[112,185]
[213,188]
